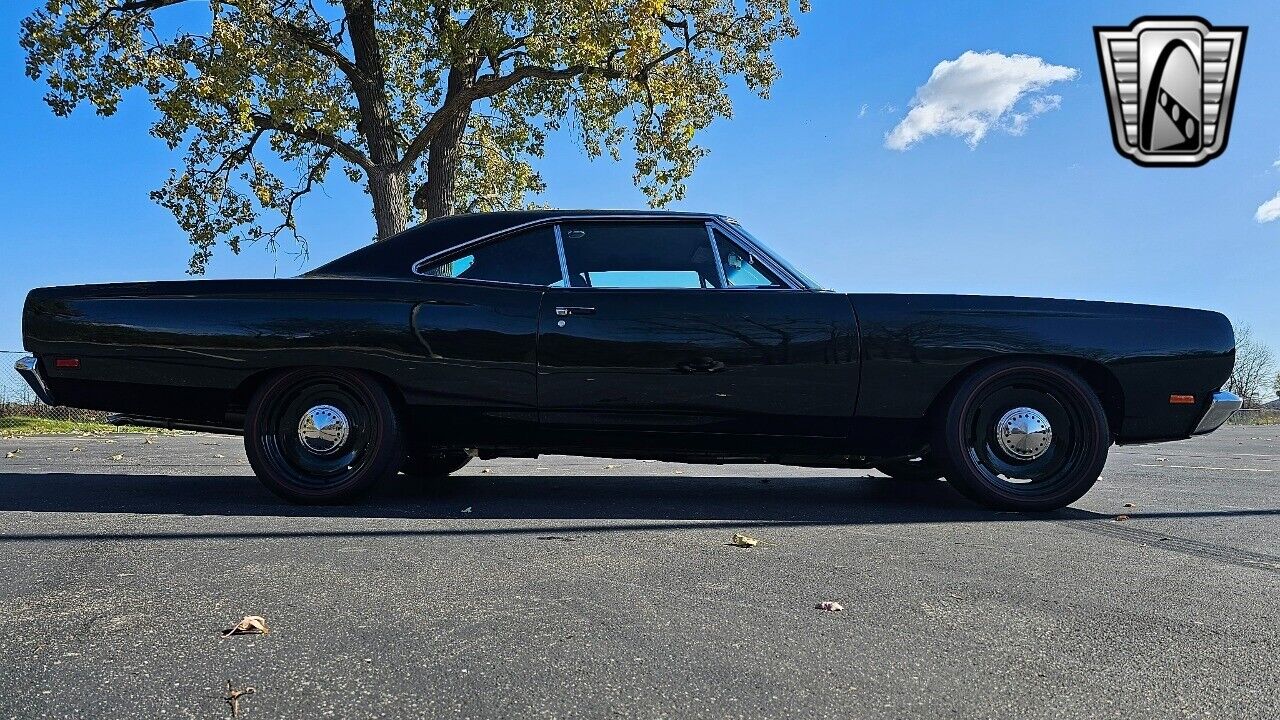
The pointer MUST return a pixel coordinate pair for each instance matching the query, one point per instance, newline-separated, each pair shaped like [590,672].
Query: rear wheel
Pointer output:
[321,435]
[1023,435]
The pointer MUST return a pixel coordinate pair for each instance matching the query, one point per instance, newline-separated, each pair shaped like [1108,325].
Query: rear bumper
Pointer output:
[1220,408]
[29,368]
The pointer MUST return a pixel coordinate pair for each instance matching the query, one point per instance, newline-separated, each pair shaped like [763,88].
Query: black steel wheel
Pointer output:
[436,465]
[322,435]
[1023,435]
[921,469]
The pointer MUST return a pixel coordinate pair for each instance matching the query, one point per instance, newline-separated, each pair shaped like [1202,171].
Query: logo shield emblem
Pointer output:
[1170,84]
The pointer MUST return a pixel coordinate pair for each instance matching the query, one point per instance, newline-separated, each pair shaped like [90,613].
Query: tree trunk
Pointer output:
[390,190]
[437,197]
[442,167]
[390,193]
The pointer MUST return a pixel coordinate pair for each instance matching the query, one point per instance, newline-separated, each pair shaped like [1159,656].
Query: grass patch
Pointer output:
[14,425]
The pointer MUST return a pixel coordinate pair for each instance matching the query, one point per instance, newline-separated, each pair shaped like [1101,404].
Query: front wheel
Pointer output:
[1023,435]
[321,435]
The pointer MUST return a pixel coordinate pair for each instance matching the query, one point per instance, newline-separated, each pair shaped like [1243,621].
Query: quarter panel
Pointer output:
[915,345]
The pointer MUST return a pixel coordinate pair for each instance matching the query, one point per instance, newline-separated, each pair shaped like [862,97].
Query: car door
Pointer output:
[653,336]
[476,323]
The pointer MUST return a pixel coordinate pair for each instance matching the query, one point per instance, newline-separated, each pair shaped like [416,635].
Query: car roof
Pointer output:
[395,256]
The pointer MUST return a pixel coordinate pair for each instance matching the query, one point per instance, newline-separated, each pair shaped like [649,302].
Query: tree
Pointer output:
[437,106]
[1254,365]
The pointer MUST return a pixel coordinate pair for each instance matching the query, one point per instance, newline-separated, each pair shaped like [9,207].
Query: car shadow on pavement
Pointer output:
[649,501]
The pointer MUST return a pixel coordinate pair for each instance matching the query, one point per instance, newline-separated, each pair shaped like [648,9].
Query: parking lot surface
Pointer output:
[578,587]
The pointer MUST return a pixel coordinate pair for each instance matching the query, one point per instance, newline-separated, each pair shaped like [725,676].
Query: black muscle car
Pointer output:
[673,336]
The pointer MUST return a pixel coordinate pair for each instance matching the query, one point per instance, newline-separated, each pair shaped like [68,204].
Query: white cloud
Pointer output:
[862,112]
[976,92]
[1268,211]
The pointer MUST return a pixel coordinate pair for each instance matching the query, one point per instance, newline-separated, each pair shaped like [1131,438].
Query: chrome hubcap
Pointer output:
[1024,433]
[323,429]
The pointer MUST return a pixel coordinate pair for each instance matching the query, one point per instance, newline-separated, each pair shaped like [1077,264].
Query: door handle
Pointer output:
[562,311]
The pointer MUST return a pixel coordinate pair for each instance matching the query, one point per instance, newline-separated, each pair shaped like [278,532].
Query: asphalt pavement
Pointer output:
[588,588]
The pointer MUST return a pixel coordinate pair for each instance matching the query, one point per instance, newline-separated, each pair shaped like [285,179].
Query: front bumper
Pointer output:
[29,368]
[1220,408]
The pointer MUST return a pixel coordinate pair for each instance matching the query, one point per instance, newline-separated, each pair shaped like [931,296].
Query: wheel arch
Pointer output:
[238,402]
[1103,382]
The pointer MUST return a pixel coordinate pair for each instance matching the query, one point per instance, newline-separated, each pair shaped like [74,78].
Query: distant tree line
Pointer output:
[1254,377]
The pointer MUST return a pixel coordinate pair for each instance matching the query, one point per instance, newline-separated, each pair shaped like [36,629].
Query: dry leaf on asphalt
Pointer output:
[117,457]
[233,698]
[829,606]
[250,625]
[744,540]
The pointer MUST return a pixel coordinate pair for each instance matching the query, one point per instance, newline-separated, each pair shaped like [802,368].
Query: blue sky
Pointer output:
[1053,211]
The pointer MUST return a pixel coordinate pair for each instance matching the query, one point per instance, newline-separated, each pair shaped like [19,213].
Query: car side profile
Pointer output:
[675,336]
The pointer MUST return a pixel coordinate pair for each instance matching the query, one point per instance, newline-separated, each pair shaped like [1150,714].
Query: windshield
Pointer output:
[773,255]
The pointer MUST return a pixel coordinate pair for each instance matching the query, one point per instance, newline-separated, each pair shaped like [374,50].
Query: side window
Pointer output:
[529,258]
[741,268]
[639,255]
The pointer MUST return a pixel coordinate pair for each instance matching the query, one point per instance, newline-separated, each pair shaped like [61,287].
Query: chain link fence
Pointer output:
[18,400]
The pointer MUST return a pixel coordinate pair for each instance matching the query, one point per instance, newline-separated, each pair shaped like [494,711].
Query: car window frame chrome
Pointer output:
[751,251]
[711,221]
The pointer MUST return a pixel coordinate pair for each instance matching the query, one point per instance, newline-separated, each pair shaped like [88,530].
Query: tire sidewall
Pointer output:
[383,447]
[968,478]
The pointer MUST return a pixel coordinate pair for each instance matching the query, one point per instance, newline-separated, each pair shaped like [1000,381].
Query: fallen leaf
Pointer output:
[249,625]
[829,606]
[1121,518]
[233,698]
[117,457]
[743,540]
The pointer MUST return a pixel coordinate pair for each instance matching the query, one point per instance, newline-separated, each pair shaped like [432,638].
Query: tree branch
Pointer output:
[491,85]
[345,150]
